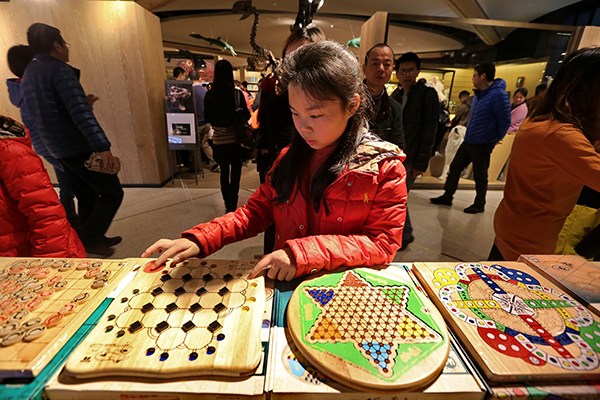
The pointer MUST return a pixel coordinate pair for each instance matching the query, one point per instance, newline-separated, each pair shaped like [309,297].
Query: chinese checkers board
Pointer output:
[43,302]
[369,329]
[515,323]
[196,318]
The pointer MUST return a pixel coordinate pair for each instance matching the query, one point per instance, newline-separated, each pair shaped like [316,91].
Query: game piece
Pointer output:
[43,302]
[193,326]
[368,329]
[514,322]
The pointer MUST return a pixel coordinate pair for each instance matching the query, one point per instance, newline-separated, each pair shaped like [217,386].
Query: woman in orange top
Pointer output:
[554,154]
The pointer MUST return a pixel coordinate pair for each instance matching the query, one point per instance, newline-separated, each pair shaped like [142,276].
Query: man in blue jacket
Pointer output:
[66,124]
[489,121]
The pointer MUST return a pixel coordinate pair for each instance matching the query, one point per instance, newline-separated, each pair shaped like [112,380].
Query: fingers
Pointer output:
[178,250]
[158,246]
[259,267]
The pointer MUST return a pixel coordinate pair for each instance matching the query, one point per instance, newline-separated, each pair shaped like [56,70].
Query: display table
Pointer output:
[283,372]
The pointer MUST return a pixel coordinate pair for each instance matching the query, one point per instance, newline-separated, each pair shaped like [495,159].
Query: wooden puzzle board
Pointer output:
[368,329]
[578,275]
[515,323]
[199,317]
[43,302]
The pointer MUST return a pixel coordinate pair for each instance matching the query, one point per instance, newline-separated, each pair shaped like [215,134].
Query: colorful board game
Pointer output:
[199,317]
[369,329]
[43,302]
[515,323]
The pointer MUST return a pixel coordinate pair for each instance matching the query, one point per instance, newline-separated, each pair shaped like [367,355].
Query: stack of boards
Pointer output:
[42,304]
[196,318]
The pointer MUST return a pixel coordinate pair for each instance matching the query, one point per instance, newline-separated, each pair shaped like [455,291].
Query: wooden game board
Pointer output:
[574,273]
[515,323]
[369,329]
[200,317]
[43,302]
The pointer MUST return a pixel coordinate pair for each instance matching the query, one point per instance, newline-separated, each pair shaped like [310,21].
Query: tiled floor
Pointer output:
[442,233]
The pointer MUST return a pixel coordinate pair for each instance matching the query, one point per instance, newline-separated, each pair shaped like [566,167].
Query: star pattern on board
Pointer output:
[373,318]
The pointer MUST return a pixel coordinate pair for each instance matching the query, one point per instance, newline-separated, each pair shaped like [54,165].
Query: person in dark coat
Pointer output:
[385,114]
[420,115]
[65,121]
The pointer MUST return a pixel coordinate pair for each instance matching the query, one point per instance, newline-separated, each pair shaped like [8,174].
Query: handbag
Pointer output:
[244,134]
[96,163]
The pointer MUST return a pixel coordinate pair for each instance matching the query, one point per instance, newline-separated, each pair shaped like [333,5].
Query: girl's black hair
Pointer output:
[223,86]
[573,95]
[324,71]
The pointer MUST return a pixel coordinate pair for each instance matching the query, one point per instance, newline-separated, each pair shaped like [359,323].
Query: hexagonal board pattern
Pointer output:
[199,317]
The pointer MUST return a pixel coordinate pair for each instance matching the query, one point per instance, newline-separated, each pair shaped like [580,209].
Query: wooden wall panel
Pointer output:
[118,47]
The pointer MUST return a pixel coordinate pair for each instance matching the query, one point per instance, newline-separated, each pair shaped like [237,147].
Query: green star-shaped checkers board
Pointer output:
[369,328]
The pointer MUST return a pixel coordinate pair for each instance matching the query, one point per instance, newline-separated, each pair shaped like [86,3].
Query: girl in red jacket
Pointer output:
[337,194]
[33,223]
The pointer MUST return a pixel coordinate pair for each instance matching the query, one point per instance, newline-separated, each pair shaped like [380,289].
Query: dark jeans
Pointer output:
[229,157]
[65,192]
[98,198]
[479,155]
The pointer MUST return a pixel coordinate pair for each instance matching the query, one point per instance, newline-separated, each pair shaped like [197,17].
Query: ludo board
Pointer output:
[43,302]
[369,329]
[515,323]
[199,317]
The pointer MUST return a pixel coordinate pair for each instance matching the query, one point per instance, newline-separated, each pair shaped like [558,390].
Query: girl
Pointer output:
[337,194]
[552,157]
[518,110]
[220,103]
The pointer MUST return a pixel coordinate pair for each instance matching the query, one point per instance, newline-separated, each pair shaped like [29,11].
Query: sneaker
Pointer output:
[442,200]
[112,241]
[215,168]
[99,249]
[474,209]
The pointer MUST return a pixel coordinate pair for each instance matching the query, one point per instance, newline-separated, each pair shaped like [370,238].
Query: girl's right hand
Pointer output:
[178,249]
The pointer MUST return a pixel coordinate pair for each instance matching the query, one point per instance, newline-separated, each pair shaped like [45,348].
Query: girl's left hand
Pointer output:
[281,265]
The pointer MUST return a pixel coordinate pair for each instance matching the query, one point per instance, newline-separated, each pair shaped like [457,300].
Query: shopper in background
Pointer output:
[202,128]
[65,121]
[385,114]
[489,122]
[220,104]
[337,194]
[420,115]
[555,153]
[533,102]
[518,110]
[179,74]
[276,125]
[32,221]
[18,58]
[463,112]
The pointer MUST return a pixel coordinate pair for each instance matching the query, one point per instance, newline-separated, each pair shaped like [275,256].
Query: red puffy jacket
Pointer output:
[364,227]
[33,223]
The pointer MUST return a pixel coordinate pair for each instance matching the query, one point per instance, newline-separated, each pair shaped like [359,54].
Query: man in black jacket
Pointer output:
[65,122]
[420,113]
[385,114]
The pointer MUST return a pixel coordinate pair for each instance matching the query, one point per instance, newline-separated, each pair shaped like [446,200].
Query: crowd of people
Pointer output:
[336,155]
